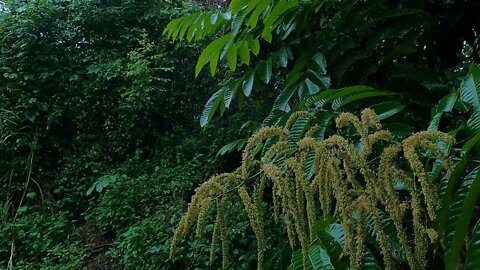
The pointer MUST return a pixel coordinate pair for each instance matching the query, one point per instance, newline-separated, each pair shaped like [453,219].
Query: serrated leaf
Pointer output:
[342,101]
[329,95]
[254,46]
[256,13]
[445,104]
[232,56]
[322,81]
[231,90]
[473,122]
[281,57]
[470,88]
[211,107]
[247,84]
[298,128]
[447,193]
[321,63]
[264,70]
[237,23]
[234,145]
[211,54]
[244,52]
[473,259]
[387,109]
[281,103]
[459,217]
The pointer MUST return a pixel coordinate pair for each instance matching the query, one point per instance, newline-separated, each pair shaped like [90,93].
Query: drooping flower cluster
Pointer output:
[349,181]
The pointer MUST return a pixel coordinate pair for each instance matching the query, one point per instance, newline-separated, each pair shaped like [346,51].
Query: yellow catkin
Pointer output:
[370,119]
[261,135]
[382,238]
[354,178]
[223,232]
[422,140]
[356,261]
[311,131]
[254,214]
[202,216]
[294,117]
[215,237]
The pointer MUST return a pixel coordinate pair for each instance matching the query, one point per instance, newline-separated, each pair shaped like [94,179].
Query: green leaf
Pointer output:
[459,217]
[473,122]
[320,63]
[247,84]
[214,62]
[211,53]
[280,259]
[244,52]
[323,81]
[256,13]
[264,70]
[281,57]
[332,239]
[470,88]
[399,130]
[387,109]
[275,15]
[281,103]
[447,194]
[298,128]
[342,101]
[473,251]
[329,95]
[231,90]
[91,188]
[232,56]
[254,46]
[445,104]
[237,24]
[234,145]
[211,107]
[319,258]
[369,262]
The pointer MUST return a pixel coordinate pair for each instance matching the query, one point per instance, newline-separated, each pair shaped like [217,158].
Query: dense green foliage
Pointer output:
[414,51]
[102,108]
[99,132]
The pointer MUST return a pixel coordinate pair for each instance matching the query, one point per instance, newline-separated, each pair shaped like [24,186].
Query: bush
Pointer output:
[42,241]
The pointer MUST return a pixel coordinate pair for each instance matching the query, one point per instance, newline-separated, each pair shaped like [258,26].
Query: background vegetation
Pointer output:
[109,118]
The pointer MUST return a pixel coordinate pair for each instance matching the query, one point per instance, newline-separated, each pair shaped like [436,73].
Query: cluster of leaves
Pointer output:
[394,46]
[98,132]
[414,51]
